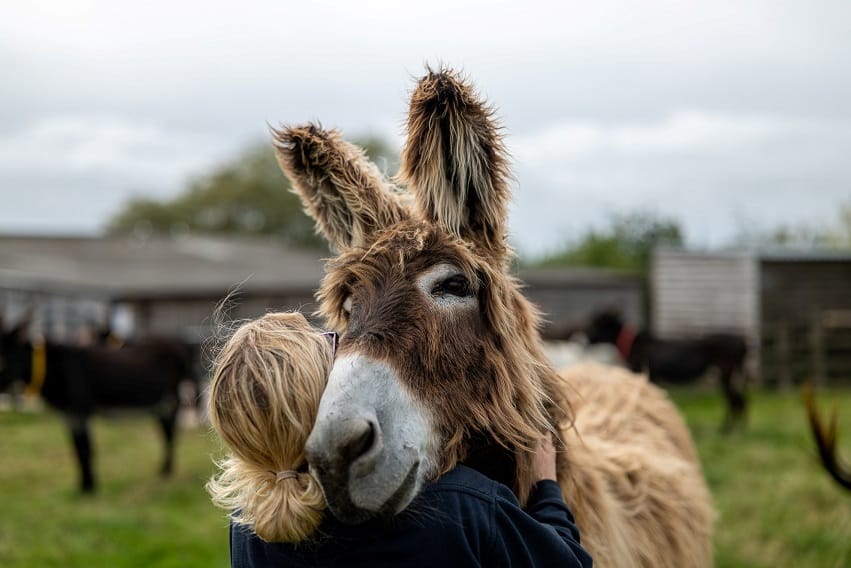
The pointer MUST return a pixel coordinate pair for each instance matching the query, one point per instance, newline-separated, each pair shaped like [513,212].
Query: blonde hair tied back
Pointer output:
[264,395]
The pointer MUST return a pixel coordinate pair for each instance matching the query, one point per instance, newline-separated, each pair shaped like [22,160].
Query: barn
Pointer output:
[149,285]
[794,307]
[172,284]
[568,296]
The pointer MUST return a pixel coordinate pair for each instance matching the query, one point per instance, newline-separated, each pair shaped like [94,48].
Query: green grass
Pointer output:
[136,518]
[776,506]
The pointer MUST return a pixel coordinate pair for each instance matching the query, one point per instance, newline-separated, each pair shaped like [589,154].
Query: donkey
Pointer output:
[680,360]
[79,381]
[440,360]
[825,438]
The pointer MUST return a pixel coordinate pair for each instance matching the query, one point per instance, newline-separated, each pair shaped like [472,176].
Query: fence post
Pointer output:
[783,356]
[817,348]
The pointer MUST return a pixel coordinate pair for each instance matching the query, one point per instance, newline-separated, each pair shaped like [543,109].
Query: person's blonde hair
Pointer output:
[264,396]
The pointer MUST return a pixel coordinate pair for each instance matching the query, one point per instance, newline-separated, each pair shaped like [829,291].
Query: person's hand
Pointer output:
[545,459]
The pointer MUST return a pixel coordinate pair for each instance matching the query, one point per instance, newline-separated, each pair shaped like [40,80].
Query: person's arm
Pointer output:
[545,533]
[546,504]
[544,538]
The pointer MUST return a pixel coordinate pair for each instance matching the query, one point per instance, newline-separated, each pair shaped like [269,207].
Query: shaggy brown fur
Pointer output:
[455,160]
[634,481]
[483,373]
[483,355]
[341,188]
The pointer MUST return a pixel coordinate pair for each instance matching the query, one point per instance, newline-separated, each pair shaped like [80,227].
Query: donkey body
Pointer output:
[440,360]
[81,381]
[680,361]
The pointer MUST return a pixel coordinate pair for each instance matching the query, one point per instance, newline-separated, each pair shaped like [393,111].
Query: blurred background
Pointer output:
[684,163]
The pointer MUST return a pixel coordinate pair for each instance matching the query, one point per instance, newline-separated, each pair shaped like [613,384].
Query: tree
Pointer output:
[625,244]
[246,196]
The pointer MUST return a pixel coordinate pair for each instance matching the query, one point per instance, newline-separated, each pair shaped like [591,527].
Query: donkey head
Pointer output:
[605,326]
[439,359]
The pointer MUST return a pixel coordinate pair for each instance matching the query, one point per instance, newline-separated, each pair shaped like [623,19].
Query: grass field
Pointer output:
[777,508]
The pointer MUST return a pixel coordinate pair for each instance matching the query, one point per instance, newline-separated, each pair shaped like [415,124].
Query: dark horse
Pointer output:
[681,360]
[79,381]
[825,438]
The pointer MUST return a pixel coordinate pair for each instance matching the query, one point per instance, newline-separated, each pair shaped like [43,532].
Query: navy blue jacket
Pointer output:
[463,519]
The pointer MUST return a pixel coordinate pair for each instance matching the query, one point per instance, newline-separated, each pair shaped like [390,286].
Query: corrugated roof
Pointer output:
[187,266]
[128,267]
[577,276]
[778,254]
[814,255]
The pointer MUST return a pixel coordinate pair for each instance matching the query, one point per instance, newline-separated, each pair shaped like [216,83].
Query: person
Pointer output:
[264,396]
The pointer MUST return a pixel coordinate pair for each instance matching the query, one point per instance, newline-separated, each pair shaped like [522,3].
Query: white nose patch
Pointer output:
[359,387]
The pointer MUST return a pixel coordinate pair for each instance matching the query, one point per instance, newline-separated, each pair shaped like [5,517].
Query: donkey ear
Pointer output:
[341,189]
[455,161]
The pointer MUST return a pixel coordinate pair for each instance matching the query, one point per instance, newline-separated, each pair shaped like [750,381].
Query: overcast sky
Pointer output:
[729,116]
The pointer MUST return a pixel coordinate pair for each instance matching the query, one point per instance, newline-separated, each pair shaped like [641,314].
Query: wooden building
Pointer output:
[173,285]
[153,285]
[793,307]
[567,297]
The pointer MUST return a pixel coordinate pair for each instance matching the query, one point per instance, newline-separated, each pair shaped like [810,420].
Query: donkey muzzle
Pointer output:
[367,447]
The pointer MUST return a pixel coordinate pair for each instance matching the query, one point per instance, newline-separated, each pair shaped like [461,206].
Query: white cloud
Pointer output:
[145,152]
[73,172]
[681,133]
[714,172]
[765,29]
[590,91]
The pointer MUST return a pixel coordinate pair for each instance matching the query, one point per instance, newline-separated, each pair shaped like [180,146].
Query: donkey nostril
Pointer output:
[359,440]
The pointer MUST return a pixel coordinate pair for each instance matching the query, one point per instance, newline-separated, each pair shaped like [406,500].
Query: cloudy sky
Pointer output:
[729,116]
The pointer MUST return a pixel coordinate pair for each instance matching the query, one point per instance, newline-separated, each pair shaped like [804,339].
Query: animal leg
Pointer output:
[83,448]
[736,402]
[167,417]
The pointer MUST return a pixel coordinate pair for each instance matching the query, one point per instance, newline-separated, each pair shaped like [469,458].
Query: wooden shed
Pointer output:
[173,284]
[150,285]
[793,307]
[567,297]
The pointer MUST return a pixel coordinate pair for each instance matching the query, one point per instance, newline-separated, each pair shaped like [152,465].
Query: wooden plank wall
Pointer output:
[805,331]
[791,290]
[59,316]
[567,303]
[192,318]
[695,293]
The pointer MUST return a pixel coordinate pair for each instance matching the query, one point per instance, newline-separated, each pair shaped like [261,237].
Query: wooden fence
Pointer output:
[817,351]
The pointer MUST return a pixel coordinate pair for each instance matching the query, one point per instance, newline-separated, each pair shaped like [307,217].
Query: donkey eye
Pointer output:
[347,305]
[457,285]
